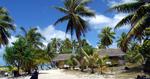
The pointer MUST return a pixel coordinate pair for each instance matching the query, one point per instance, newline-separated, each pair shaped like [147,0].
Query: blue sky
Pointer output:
[41,14]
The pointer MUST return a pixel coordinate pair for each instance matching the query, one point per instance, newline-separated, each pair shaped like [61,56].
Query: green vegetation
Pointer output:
[28,52]
[6,24]
[73,10]
[106,37]
[138,17]
[145,51]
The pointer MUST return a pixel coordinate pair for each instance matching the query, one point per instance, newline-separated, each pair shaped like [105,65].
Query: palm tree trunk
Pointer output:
[92,69]
[147,66]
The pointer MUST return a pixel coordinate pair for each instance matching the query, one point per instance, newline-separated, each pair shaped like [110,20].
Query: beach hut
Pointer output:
[116,56]
[60,59]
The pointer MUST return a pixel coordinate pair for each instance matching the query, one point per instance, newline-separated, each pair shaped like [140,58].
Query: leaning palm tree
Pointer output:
[138,18]
[5,26]
[106,36]
[73,10]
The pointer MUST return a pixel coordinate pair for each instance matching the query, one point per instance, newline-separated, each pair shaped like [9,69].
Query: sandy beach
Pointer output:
[66,74]
[72,74]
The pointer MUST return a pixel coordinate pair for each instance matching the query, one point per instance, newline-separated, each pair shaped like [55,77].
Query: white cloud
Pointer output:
[114,45]
[112,2]
[50,32]
[100,21]
[12,39]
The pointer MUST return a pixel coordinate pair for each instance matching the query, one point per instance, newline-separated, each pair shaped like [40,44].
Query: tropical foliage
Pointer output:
[133,55]
[95,61]
[6,25]
[106,37]
[66,46]
[26,53]
[145,51]
[73,10]
[121,39]
[138,18]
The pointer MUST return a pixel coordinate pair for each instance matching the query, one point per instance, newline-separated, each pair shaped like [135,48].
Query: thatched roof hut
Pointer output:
[111,52]
[62,57]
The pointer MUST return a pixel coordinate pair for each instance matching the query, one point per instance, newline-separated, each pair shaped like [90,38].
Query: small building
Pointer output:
[116,56]
[60,59]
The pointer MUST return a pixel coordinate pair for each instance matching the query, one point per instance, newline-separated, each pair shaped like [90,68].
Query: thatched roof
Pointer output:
[111,52]
[62,57]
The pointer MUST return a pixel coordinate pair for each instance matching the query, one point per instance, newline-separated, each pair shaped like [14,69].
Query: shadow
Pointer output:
[43,73]
[133,70]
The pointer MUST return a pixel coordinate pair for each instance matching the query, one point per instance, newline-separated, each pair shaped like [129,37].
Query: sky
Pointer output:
[41,14]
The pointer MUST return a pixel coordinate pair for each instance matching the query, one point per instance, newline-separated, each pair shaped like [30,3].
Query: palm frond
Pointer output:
[62,19]
[143,23]
[6,18]
[139,13]
[23,29]
[61,9]
[124,21]
[84,11]
[85,2]
[127,7]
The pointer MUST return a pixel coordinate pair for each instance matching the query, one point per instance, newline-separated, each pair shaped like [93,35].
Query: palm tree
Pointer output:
[14,54]
[73,10]
[100,46]
[5,26]
[66,46]
[33,40]
[121,39]
[94,60]
[33,37]
[133,55]
[138,17]
[106,36]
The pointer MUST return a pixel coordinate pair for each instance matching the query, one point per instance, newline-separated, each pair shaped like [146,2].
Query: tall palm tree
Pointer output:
[106,36]
[138,18]
[73,10]
[5,26]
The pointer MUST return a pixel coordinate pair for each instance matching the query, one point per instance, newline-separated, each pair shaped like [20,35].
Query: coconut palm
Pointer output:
[100,46]
[14,54]
[32,43]
[145,51]
[133,55]
[73,10]
[33,37]
[66,46]
[138,18]
[95,61]
[106,36]
[121,39]
[5,26]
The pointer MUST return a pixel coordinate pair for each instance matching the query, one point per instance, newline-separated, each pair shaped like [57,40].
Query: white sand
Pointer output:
[72,74]
[66,74]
